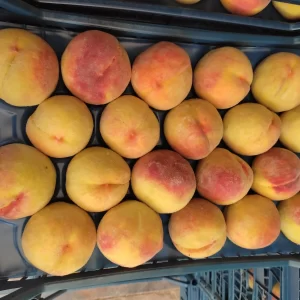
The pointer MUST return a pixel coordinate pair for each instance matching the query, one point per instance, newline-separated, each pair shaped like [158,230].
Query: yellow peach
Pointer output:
[253,222]
[164,180]
[223,177]
[290,129]
[27,181]
[198,230]
[194,128]
[288,10]
[223,77]
[275,82]
[251,129]
[60,127]
[95,67]
[130,234]
[162,75]
[29,68]
[129,127]
[97,179]
[59,239]
[245,7]
[289,211]
[276,174]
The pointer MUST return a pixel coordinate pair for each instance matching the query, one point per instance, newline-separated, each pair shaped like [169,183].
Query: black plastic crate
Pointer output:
[135,37]
[204,13]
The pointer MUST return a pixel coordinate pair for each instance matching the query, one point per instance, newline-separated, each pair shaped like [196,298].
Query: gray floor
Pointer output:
[159,290]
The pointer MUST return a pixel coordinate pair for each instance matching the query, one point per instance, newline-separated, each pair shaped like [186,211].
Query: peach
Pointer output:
[59,239]
[251,279]
[245,7]
[29,68]
[253,222]
[223,177]
[275,82]
[130,234]
[60,127]
[194,128]
[162,75]
[287,10]
[27,182]
[95,67]
[276,291]
[251,129]
[290,129]
[129,127]
[289,211]
[164,180]
[223,77]
[198,230]
[97,179]
[276,174]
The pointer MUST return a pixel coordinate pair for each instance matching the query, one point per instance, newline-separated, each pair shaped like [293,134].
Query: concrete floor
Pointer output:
[160,290]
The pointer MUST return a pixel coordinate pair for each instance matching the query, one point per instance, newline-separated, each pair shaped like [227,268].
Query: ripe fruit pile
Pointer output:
[60,238]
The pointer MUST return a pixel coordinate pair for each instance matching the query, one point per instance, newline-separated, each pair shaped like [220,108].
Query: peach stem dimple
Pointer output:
[59,139]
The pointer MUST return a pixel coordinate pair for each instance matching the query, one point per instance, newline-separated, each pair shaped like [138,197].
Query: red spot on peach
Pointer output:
[171,171]
[244,167]
[44,68]
[12,209]
[96,67]
[296,215]
[131,136]
[59,139]
[222,183]
[148,248]
[106,241]
[287,187]
[245,6]
[14,48]
[65,248]
[281,167]
[211,80]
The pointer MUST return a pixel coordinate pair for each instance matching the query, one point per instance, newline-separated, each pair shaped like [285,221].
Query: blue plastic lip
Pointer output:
[181,11]
[183,34]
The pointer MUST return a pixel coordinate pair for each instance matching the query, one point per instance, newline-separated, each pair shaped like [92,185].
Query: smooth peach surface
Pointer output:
[223,77]
[276,174]
[289,211]
[253,222]
[287,10]
[130,234]
[276,82]
[27,181]
[95,67]
[61,126]
[198,230]
[251,129]
[59,239]
[163,180]
[162,75]
[193,128]
[29,68]
[245,7]
[223,177]
[290,129]
[97,179]
[129,127]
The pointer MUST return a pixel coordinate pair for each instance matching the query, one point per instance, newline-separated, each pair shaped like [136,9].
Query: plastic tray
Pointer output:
[12,129]
[206,11]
